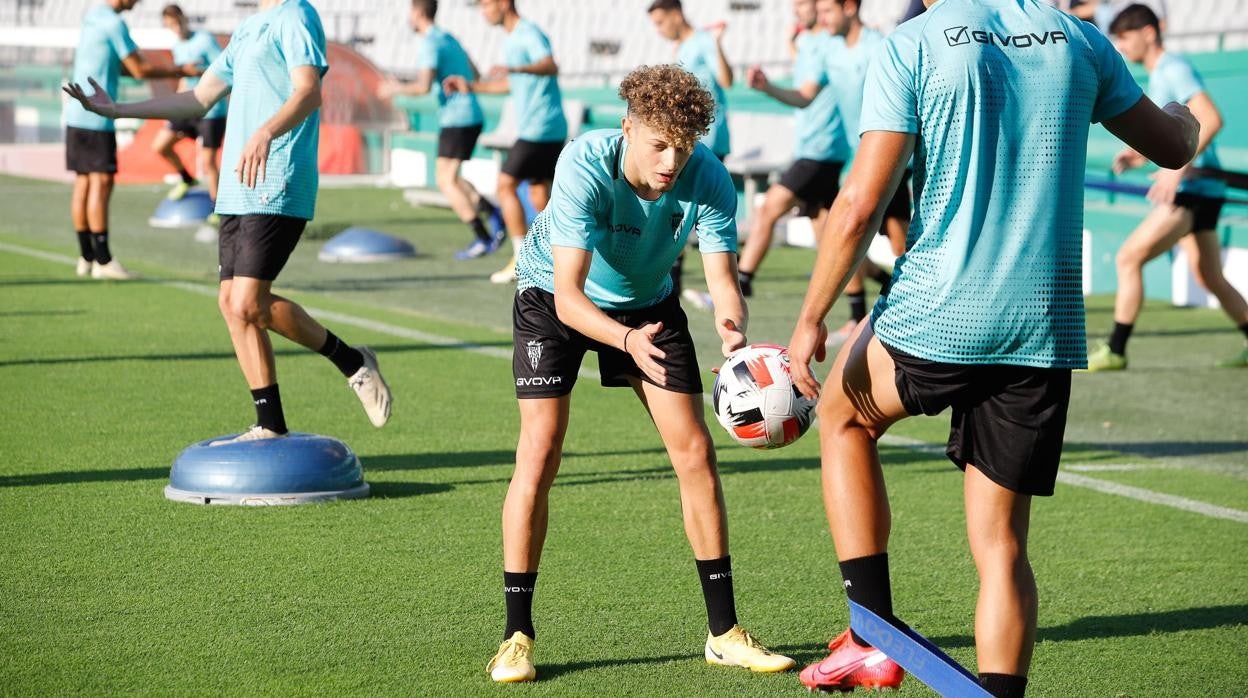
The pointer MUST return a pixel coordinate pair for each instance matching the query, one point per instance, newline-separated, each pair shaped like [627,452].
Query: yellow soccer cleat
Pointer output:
[506,275]
[739,648]
[514,661]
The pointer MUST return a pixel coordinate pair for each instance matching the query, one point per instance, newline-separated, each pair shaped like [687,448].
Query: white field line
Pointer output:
[1067,478]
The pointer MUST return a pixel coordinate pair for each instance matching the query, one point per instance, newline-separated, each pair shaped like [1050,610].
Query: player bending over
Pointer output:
[986,311]
[593,276]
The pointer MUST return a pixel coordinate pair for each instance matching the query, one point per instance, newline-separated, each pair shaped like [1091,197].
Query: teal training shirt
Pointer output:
[443,54]
[818,127]
[102,44]
[1175,80]
[634,242]
[1000,94]
[847,73]
[537,99]
[199,49]
[257,63]
[698,55]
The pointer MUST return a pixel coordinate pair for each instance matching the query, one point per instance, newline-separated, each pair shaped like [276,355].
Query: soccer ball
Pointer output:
[755,400]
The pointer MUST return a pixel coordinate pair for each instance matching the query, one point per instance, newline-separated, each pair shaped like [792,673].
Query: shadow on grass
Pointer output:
[382,349]
[398,490]
[66,281]
[384,283]
[1129,625]
[551,671]
[40,313]
[1155,449]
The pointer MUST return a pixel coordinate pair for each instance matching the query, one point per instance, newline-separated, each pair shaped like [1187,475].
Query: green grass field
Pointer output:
[107,588]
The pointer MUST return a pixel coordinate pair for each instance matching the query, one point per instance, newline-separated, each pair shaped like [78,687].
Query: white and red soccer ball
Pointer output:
[755,400]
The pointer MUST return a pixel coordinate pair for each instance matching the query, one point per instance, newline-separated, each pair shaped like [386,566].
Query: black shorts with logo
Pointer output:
[88,150]
[815,182]
[900,205]
[458,142]
[1008,421]
[547,353]
[1206,210]
[533,161]
[256,246]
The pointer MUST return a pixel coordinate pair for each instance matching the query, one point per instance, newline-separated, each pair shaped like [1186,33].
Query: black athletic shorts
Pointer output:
[1008,421]
[815,182]
[458,142]
[532,161]
[547,353]
[209,132]
[900,205]
[256,246]
[87,150]
[1206,210]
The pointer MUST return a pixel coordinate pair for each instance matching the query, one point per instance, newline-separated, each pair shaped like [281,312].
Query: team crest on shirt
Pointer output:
[535,353]
[677,219]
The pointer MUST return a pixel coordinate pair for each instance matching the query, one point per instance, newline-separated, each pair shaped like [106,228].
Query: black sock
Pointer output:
[1118,338]
[99,243]
[678,268]
[866,583]
[85,249]
[1244,328]
[857,305]
[1003,685]
[478,229]
[347,359]
[484,206]
[721,608]
[518,594]
[186,176]
[268,402]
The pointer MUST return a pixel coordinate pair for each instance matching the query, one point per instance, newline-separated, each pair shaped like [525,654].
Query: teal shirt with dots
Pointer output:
[634,242]
[102,44]
[1175,80]
[699,56]
[537,99]
[443,54]
[199,49]
[257,64]
[1000,94]
[819,132]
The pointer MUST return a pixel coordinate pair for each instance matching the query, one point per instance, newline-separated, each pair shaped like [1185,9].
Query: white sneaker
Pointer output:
[371,388]
[506,275]
[113,270]
[255,433]
[83,268]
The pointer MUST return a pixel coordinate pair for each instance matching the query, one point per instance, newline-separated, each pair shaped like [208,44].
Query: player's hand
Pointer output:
[807,343]
[1191,126]
[191,70]
[1128,159]
[98,103]
[756,78]
[731,336]
[640,346]
[1166,186]
[498,72]
[454,83]
[388,88]
[717,29]
[251,164]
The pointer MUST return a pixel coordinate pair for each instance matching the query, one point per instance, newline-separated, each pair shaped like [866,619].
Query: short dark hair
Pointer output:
[173,11]
[1135,17]
[665,5]
[428,7]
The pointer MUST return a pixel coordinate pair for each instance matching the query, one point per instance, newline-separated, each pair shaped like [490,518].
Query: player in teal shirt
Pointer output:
[272,68]
[1186,205]
[593,277]
[104,49]
[194,51]
[530,74]
[820,146]
[994,99]
[700,53]
[459,122]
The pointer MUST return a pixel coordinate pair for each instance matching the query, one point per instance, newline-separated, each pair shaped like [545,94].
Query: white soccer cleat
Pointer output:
[112,271]
[371,388]
[506,275]
[83,268]
[514,661]
[255,433]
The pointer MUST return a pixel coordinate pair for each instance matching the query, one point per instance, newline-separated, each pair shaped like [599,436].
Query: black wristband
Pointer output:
[626,338]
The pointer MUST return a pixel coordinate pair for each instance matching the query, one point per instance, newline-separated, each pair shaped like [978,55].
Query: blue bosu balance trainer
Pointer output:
[295,469]
[190,210]
[361,245]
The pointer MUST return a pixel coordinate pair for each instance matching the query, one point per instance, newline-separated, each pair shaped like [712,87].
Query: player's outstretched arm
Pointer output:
[544,66]
[418,87]
[731,314]
[137,67]
[1168,137]
[858,209]
[180,105]
[577,311]
[800,98]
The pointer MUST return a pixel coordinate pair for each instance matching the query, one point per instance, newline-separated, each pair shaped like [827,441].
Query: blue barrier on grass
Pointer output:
[361,245]
[294,469]
[188,211]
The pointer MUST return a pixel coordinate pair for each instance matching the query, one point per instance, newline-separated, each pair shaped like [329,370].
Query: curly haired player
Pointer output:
[593,276]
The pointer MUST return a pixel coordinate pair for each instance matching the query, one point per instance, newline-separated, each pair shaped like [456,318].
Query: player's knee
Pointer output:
[1129,258]
[507,185]
[250,311]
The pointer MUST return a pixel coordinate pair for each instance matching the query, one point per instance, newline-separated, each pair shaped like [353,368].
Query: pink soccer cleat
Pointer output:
[850,666]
